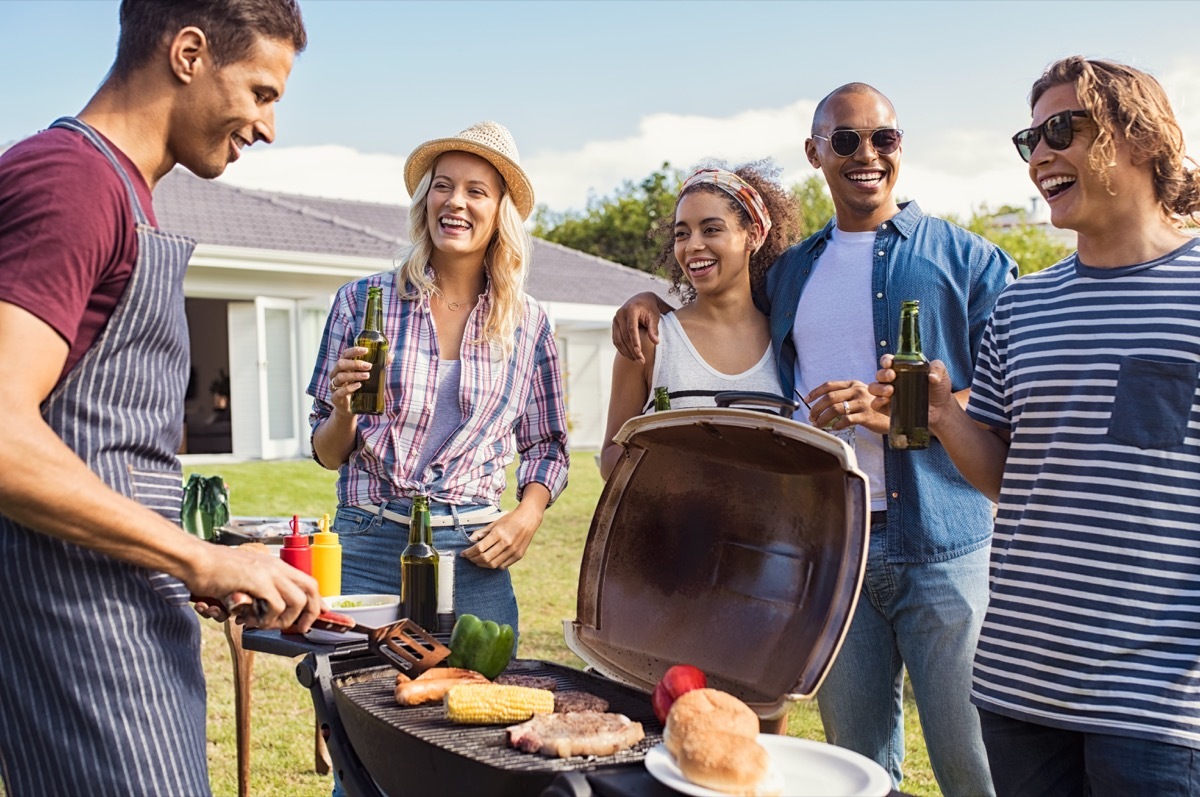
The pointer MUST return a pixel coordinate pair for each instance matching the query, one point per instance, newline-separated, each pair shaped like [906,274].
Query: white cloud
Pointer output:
[954,170]
[330,171]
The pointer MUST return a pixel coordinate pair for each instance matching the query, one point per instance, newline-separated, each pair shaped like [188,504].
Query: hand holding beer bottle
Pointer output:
[367,389]
[909,428]
[368,399]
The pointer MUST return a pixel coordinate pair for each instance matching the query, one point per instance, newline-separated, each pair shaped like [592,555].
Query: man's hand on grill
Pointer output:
[282,595]
[501,545]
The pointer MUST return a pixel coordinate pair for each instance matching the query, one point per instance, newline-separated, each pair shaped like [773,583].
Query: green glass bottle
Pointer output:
[368,399]
[662,399]
[419,569]
[909,428]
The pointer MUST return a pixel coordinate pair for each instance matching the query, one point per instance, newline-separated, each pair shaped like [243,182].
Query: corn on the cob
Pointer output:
[489,704]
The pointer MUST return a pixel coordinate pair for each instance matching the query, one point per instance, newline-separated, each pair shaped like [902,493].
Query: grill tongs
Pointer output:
[405,645]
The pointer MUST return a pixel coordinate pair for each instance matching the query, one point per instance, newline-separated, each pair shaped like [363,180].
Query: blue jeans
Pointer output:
[924,617]
[1031,760]
[371,548]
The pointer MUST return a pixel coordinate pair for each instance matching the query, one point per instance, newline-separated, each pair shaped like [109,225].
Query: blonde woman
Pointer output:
[475,380]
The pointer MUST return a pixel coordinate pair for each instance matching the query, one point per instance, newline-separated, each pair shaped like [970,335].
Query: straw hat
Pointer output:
[490,141]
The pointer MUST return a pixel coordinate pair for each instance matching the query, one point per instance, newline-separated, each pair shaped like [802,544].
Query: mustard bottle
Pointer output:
[327,560]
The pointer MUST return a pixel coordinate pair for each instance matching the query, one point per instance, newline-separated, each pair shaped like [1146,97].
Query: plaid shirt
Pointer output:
[518,402]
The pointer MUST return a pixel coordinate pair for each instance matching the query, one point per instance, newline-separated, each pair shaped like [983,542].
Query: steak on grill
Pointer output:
[577,733]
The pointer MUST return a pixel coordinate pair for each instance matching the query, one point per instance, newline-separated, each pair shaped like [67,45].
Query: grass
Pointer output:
[545,582]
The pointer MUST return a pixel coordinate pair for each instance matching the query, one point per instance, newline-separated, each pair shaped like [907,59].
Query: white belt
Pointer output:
[473,518]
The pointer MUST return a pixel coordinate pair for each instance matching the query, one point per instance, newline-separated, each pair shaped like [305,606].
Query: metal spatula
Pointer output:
[405,645]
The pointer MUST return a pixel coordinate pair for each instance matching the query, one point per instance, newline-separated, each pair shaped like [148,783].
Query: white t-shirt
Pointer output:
[835,337]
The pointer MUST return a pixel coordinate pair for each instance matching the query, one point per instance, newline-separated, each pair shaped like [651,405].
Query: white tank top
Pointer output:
[691,381]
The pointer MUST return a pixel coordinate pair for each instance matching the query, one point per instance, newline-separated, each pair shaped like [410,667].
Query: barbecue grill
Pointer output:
[727,538]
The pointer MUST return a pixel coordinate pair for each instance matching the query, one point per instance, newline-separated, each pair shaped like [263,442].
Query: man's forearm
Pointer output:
[47,488]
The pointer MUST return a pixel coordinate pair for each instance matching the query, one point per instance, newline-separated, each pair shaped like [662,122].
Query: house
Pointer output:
[259,286]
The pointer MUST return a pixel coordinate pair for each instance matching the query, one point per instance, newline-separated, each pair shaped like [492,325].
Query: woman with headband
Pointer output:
[728,227]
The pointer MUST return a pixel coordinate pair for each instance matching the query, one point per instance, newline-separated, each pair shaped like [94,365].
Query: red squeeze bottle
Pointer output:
[296,550]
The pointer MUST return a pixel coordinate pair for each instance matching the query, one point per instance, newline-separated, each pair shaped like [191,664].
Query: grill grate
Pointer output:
[372,691]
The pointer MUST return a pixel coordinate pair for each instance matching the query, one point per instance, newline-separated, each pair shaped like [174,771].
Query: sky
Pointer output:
[600,93]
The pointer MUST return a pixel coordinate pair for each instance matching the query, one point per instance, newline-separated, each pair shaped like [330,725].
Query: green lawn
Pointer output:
[282,724]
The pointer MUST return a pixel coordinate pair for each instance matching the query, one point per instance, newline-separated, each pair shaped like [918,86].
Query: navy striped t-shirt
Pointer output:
[1094,617]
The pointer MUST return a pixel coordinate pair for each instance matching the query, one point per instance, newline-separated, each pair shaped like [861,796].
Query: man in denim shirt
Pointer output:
[834,302]
[925,591]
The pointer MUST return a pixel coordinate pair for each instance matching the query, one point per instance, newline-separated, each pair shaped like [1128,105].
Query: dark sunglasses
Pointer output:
[845,143]
[1056,131]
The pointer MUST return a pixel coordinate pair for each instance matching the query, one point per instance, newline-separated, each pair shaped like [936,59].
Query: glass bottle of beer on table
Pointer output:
[368,399]
[419,569]
[909,427]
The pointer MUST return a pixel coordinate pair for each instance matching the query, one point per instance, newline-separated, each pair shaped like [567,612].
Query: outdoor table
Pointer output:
[243,643]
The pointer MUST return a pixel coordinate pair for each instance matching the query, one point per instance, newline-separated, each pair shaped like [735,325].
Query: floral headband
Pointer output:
[740,190]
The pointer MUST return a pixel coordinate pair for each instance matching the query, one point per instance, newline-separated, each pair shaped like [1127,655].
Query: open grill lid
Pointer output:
[729,539]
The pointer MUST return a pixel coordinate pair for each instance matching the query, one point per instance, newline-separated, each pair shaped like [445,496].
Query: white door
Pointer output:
[281,430]
[310,331]
[264,405]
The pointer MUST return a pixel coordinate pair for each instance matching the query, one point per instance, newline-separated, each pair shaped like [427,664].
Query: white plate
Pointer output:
[803,769]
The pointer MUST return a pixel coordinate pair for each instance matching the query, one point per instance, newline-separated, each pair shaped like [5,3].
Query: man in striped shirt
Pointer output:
[1084,425]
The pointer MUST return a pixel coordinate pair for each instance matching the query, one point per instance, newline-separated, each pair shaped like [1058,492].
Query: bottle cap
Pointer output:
[325,536]
[295,539]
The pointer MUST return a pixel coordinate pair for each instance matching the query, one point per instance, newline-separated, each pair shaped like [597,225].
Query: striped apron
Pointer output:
[101,686]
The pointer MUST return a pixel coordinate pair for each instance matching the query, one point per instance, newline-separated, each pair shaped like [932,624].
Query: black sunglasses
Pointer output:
[845,143]
[1056,131]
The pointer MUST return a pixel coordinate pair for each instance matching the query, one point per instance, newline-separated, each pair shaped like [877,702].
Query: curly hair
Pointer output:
[1121,99]
[781,205]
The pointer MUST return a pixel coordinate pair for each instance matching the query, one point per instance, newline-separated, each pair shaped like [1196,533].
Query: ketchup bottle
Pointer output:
[296,550]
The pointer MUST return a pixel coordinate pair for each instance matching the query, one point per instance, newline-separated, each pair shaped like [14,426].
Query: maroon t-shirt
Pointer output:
[68,236]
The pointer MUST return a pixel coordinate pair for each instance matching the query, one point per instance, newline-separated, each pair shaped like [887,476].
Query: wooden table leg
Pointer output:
[324,763]
[243,669]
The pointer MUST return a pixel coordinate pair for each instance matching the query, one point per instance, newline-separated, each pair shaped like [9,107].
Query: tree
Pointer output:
[816,206]
[619,227]
[1029,244]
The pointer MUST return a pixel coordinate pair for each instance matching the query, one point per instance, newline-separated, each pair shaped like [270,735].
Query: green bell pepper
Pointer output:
[481,645]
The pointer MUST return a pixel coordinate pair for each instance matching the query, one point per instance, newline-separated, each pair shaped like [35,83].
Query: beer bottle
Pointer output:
[368,399]
[910,397]
[419,569]
[662,399]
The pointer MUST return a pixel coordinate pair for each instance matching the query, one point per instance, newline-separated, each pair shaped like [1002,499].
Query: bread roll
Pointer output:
[705,711]
[725,762]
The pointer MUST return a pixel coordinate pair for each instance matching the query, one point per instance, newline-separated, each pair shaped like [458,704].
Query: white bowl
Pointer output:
[370,610]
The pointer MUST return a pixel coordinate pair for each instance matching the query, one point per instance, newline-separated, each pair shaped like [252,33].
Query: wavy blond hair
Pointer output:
[1124,100]
[506,263]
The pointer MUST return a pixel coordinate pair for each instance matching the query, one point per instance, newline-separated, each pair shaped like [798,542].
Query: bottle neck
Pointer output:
[909,344]
[374,320]
[420,527]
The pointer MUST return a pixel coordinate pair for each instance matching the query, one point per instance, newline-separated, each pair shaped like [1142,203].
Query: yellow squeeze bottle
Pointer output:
[327,560]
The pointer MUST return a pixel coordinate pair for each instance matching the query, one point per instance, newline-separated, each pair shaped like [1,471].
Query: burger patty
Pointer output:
[577,733]
[531,681]
[566,702]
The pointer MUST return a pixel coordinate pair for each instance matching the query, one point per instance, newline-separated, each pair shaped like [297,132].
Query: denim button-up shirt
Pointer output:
[933,514]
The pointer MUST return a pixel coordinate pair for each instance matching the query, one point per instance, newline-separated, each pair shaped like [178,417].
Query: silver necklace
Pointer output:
[451,305]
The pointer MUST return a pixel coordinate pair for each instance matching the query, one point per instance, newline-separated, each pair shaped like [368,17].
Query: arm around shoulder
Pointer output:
[640,312]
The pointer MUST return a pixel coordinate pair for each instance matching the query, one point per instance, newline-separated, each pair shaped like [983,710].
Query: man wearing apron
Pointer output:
[102,690]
